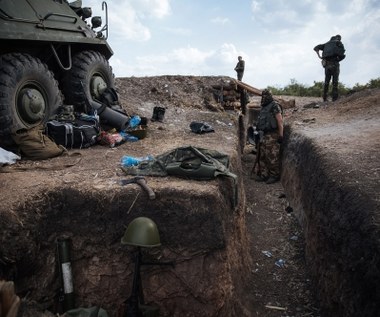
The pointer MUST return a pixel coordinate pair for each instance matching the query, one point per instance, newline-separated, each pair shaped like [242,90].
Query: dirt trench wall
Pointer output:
[199,229]
[341,226]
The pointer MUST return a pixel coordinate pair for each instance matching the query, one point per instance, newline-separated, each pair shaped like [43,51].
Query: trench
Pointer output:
[207,245]
[339,217]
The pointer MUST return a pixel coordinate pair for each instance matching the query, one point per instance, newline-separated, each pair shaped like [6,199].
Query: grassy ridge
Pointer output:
[297,89]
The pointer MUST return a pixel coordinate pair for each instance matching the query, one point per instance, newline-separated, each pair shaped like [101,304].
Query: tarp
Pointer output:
[7,157]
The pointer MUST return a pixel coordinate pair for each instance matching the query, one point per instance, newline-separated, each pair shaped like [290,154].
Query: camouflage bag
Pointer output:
[35,145]
[188,162]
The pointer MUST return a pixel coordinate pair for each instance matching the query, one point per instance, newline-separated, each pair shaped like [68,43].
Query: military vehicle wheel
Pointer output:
[93,70]
[29,93]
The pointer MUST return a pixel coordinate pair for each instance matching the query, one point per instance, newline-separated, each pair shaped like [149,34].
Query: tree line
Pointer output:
[297,89]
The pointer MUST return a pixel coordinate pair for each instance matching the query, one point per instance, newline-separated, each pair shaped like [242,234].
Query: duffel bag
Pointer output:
[76,134]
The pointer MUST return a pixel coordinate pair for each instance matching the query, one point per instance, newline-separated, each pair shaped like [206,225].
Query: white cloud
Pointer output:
[228,52]
[128,26]
[128,18]
[255,6]
[154,8]
[191,55]
[220,20]
[178,31]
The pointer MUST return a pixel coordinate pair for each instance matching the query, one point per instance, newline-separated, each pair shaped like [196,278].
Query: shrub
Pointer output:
[296,89]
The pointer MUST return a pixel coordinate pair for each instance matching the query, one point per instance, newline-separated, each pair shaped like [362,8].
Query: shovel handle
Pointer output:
[144,185]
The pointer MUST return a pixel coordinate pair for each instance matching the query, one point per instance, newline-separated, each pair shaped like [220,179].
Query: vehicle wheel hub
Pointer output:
[97,86]
[31,105]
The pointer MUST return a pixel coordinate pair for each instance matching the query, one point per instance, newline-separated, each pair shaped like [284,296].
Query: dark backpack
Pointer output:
[266,120]
[79,133]
[333,48]
[109,97]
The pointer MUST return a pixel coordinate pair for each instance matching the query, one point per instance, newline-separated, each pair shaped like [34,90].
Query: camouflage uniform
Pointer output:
[331,70]
[269,146]
[270,155]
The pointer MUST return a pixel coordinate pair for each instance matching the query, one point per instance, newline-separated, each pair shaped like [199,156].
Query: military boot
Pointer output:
[160,114]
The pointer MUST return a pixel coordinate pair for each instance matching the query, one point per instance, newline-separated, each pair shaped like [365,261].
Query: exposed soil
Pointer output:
[276,235]
[274,230]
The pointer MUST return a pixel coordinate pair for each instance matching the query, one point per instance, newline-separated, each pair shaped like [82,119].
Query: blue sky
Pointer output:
[275,38]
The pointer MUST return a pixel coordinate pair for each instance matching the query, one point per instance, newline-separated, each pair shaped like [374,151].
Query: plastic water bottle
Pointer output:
[127,160]
[134,122]
[128,137]
[131,138]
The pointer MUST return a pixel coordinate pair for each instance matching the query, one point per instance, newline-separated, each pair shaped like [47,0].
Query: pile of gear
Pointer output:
[103,122]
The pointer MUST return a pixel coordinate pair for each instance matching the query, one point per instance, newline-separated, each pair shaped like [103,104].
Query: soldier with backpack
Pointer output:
[271,127]
[332,53]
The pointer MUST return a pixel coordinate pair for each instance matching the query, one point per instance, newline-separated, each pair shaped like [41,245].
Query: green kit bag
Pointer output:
[35,145]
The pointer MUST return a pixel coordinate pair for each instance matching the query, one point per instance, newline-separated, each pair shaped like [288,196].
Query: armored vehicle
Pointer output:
[49,55]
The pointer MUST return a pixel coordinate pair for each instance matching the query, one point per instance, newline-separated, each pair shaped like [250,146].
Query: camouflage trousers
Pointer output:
[269,156]
[331,71]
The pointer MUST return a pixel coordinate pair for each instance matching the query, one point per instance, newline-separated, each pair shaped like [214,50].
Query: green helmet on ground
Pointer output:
[142,232]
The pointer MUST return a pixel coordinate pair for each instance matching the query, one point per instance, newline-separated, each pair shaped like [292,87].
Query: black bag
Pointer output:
[333,48]
[109,97]
[201,127]
[76,134]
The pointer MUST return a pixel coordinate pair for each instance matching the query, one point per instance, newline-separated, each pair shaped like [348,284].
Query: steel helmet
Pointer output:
[142,232]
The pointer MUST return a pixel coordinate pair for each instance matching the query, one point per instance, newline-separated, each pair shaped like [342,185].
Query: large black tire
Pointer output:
[93,70]
[29,94]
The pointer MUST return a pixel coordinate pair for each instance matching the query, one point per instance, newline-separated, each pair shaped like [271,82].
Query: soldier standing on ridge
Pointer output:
[240,68]
[332,54]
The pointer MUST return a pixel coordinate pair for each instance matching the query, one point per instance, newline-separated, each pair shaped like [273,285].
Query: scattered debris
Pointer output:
[312,120]
[267,253]
[280,263]
[311,105]
[289,209]
[275,307]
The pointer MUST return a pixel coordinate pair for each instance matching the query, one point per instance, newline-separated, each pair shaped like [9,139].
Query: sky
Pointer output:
[275,38]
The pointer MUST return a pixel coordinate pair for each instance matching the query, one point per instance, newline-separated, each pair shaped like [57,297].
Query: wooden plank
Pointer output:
[249,88]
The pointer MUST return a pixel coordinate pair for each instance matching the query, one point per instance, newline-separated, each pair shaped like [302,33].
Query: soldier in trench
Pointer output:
[270,127]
